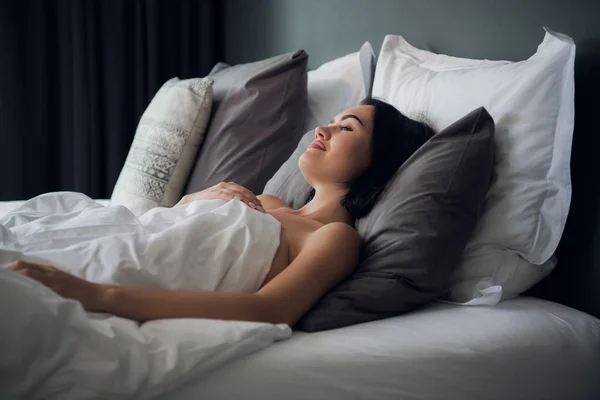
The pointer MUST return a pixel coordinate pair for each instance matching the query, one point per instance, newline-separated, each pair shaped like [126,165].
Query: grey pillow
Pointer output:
[288,183]
[415,234]
[258,113]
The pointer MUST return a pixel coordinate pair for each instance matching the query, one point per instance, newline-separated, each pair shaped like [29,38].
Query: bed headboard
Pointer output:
[509,30]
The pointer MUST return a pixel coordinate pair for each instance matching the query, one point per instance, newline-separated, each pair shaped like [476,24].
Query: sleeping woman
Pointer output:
[348,164]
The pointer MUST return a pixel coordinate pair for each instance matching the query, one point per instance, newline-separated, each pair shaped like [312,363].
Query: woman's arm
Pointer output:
[330,255]
[144,304]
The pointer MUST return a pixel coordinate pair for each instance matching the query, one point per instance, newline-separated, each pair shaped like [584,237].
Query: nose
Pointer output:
[322,132]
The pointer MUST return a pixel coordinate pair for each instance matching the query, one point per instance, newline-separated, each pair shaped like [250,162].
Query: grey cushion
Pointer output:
[415,234]
[258,113]
[288,183]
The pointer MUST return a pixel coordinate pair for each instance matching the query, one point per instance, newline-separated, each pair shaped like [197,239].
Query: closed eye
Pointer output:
[342,127]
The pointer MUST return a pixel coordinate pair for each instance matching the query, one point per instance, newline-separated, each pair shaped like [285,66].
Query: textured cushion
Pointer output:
[532,102]
[165,145]
[338,85]
[415,234]
[257,119]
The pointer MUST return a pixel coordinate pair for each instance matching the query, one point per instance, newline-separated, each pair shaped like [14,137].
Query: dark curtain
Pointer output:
[75,77]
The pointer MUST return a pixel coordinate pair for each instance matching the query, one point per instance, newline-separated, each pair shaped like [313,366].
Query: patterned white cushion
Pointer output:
[164,149]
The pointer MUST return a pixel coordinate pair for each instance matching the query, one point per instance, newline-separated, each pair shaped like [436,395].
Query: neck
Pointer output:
[325,207]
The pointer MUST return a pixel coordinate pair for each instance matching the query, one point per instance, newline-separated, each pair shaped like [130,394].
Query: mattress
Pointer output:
[524,348]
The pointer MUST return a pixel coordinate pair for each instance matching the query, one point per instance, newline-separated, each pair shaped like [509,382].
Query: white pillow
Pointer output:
[164,149]
[532,103]
[336,86]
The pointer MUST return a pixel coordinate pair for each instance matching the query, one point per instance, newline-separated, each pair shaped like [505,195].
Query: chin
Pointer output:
[303,161]
[305,166]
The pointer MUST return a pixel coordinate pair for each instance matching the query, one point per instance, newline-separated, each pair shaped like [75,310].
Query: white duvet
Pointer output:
[52,348]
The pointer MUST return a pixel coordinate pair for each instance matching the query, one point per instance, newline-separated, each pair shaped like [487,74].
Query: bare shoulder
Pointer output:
[338,232]
[271,202]
[336,239]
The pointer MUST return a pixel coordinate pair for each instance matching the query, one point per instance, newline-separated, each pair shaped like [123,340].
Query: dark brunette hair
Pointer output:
[395,138]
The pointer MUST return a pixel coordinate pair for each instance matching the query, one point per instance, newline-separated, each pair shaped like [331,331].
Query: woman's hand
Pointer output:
[225,191]
[66,285]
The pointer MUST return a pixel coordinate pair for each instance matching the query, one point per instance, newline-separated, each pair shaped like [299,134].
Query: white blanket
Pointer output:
[204,245]
[52,348]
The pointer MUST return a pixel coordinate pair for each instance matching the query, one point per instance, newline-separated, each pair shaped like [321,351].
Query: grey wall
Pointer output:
[327,29]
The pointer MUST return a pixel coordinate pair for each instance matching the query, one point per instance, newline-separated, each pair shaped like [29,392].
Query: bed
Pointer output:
[544,344]
[525,348]
[520,349]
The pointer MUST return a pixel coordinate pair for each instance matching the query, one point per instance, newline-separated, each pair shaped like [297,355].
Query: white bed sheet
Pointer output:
[7,206]
[524,348]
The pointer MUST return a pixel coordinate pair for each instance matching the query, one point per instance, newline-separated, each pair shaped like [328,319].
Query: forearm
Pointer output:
[144,304]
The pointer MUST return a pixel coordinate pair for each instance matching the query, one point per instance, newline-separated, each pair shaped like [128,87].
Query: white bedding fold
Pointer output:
[52,348]
[211,245]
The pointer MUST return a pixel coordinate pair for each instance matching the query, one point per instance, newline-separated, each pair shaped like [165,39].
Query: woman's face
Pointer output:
[341,150]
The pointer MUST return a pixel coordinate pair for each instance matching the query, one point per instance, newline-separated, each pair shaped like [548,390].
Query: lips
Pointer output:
[317,145]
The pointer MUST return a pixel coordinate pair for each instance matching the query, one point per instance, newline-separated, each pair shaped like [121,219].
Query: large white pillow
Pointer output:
[165,145]
[532,103]
[337,85]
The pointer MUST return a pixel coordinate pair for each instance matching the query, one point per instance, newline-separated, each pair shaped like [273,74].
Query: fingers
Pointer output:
[227,194]
[245,194]
[31,269]
[18,265]
[226,191]
[249,195]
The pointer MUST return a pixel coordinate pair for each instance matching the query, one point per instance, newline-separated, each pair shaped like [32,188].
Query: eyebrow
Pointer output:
[348,116]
